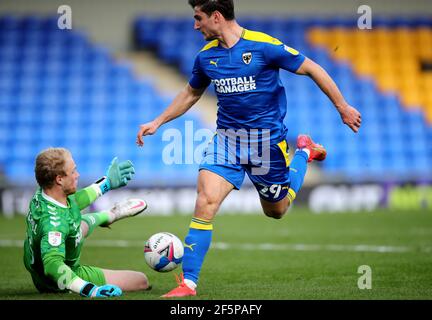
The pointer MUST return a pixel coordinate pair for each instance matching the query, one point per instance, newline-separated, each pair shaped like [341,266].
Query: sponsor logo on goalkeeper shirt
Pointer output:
[234,85]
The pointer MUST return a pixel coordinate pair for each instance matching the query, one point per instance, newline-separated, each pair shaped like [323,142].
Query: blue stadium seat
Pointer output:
[58,88]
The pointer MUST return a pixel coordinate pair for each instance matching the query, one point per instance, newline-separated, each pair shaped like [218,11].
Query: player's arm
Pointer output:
[53,256]
[117,175]
[184,100]
[350,116]
[62,274]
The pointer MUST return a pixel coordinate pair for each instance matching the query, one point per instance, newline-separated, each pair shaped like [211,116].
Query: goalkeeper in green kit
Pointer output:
[56,229]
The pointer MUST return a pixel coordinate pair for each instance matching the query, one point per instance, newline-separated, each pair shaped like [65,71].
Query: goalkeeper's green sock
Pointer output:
[95,219]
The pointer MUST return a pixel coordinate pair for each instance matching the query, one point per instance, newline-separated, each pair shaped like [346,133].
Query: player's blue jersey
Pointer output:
[246,79]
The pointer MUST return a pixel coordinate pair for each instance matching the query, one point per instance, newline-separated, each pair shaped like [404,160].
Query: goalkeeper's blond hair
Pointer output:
[50,163]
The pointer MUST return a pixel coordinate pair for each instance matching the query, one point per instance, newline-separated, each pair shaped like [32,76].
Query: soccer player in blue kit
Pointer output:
[244,67]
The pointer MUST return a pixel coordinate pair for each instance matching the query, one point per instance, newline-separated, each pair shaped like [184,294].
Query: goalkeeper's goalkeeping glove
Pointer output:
[117,175]
[90,290]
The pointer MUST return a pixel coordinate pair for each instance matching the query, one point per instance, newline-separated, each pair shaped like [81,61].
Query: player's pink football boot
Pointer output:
[317,151]
[181,291]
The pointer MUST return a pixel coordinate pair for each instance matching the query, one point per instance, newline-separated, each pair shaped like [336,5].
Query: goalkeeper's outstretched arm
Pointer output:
[184,100]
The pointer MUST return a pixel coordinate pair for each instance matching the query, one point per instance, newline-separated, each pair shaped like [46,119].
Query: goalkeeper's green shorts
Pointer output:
[91,274]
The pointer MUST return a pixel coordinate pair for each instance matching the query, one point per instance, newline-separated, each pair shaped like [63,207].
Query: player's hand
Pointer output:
[119,174]
[145,130]
[90,290]
[351,117]
[106,291]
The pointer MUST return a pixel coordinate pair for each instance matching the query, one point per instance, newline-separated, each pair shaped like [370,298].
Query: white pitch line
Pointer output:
[7,243]
[311,247]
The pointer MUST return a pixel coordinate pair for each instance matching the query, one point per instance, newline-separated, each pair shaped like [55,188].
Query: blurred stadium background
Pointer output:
[122,62]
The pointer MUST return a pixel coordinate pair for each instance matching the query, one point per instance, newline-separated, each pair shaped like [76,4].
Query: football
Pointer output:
[163,252]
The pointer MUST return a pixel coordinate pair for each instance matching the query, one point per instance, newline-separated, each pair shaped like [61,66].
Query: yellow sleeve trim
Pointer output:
[210,45]
[259,37]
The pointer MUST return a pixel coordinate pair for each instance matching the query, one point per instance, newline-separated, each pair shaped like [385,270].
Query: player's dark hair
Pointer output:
[50,163]
[225,7]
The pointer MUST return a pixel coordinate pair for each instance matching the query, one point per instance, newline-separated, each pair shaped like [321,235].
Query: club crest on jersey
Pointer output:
[54,238]
[247,57]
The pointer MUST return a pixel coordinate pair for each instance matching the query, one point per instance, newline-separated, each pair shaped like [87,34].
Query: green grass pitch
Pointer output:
[302,256]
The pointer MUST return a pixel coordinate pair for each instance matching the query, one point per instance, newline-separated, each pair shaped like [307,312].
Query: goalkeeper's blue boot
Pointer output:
[317,151]
[126,208]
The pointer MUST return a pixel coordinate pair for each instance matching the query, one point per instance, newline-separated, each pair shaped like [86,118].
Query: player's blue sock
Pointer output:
[197,243]
[297,173]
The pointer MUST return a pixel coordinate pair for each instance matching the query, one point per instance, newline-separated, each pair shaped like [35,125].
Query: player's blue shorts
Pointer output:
[270,176]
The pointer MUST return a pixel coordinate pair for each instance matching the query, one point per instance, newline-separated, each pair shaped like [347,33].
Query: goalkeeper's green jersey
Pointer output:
[52,247]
